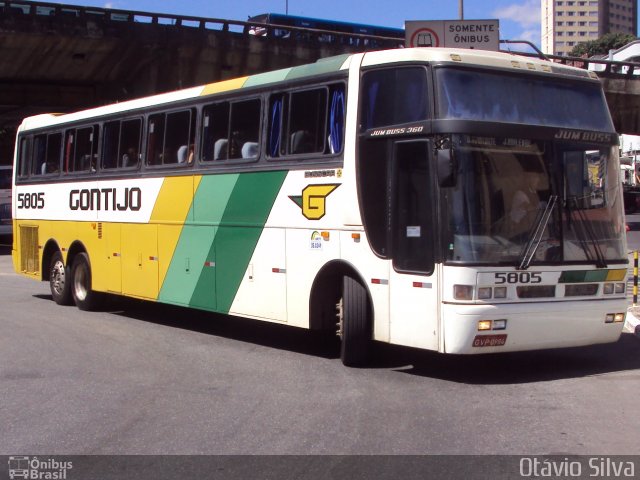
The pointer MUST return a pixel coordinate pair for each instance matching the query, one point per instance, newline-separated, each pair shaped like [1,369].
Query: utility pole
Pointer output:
[286,7]
[461,9]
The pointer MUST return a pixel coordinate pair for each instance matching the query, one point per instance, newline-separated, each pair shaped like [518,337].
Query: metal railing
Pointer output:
[601,66]
[20,9]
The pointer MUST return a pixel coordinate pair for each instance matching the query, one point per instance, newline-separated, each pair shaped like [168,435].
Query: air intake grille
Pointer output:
[535,291]
[29,261]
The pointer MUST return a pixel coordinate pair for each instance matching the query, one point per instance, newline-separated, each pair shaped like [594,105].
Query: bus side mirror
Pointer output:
[446,167]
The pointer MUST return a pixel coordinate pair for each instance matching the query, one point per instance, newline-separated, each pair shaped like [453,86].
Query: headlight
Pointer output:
[463,292]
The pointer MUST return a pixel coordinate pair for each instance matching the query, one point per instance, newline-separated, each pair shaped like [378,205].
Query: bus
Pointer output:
[280,22]
[457,201]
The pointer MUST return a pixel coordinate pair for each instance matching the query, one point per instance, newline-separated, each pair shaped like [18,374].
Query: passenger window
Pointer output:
[307,114]
[155,139]
[245,129]
[171,138]
[46,154]
[215,131]
[24,157]
[121,145]
[307,122]
[81,149]
[231,130]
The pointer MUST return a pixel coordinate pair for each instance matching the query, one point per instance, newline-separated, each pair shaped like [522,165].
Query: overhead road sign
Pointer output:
[480,34]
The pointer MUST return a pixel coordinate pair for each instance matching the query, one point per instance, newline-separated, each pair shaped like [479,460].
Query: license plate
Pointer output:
[490,340]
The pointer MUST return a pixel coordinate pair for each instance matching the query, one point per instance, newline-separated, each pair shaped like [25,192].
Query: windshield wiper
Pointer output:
[536,233]
[585,226]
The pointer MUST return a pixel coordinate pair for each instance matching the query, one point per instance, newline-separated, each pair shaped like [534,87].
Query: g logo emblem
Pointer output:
[313,200]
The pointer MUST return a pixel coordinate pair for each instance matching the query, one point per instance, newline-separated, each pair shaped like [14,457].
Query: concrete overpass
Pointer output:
[56,58]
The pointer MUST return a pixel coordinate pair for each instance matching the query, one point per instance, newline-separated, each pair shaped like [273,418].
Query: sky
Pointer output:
[519,19]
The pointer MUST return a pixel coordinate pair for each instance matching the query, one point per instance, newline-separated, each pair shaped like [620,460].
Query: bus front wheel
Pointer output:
[354,326]
[60,280]
[83,295]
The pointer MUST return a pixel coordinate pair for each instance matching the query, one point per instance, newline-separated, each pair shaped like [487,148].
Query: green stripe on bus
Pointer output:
[250,205]
[268,77]
[196,243]
[328,65]
[596,276]
[235,240]
[580,276]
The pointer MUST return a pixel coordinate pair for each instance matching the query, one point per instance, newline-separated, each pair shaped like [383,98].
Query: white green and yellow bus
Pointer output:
[451,200]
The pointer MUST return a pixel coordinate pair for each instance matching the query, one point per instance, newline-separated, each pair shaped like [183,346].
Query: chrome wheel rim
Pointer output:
[58,277]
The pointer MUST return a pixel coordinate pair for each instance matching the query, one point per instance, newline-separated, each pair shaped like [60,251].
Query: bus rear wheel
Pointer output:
[354,323]
[60,280]
[85,298]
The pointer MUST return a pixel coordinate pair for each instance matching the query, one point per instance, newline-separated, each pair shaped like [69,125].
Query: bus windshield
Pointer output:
[495,97]
[503,189]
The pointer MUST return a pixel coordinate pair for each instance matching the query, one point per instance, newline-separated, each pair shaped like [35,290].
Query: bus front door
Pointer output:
[413,278]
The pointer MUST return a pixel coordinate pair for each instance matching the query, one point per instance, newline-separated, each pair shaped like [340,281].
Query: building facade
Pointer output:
[565,23]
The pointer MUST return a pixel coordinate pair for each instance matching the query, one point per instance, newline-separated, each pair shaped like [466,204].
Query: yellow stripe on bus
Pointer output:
[223,86]
[616,275]
[171,210]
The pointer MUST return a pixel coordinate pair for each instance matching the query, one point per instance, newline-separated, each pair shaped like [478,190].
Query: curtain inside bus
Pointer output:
[336,121]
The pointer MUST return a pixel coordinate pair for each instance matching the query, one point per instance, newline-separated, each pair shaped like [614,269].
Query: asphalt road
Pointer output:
[141,378]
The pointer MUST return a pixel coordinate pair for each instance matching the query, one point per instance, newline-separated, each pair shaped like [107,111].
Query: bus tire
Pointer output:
[60,280]
[354,326]
[85,298]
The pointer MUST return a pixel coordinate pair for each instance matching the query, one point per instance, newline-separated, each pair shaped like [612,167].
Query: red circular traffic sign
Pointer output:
[424,37]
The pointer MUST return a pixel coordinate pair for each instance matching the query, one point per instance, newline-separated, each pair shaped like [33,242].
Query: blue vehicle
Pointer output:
[276,19]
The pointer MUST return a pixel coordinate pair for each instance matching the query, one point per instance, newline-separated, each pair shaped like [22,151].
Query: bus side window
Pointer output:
[54,146]
[86,149]
[81,149]
[121,144]
[215,132]
[39,155]
[111,135]
[179,137]
[46,154]
[24,157]
[155,139]
[129,146]
[307,121]
[171,138]
[245,129]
